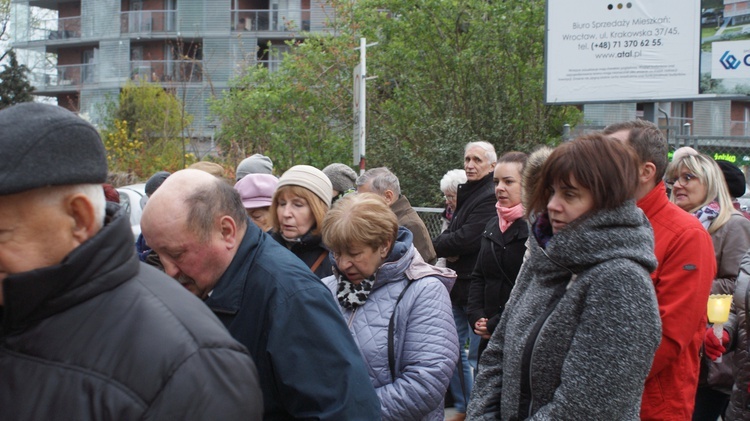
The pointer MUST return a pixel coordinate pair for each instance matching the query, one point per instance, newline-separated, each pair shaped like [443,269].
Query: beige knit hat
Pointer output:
[310,178]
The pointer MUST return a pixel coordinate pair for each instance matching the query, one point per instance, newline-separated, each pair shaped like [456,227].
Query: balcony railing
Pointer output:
[278,20]
[271,65]
[55,29]
[62,77]
[739,128]
[148,21]
[167,70]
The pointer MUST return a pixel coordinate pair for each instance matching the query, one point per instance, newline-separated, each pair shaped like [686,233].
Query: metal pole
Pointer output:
[362,104]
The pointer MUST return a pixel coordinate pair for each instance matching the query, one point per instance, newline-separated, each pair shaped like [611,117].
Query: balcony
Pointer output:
[271,65]
[166,71]
[148,21]
[277,20]
[63,78]
[59,29]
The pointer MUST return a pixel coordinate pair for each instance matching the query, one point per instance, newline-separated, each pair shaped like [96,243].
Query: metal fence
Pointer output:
[432,219]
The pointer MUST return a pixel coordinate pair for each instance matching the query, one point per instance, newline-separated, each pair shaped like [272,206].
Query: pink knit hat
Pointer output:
[256,190]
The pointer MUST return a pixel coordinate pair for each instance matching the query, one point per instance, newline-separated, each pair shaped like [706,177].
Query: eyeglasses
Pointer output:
[449,197]
[684,179]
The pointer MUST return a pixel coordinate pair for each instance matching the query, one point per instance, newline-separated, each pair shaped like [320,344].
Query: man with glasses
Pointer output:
[682,280]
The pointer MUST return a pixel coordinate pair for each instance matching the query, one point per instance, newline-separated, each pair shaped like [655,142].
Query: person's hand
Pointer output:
[711,345]
[480,328]
[452,259]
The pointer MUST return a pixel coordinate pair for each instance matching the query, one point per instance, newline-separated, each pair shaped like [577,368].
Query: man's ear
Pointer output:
[647,172]
[85,219]
[389,197]
[228,228]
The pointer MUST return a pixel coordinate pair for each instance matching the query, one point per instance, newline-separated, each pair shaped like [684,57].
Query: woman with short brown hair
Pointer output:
[397,307]
[579,332]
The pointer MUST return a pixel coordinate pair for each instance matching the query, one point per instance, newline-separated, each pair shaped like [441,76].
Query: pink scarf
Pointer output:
[507,216]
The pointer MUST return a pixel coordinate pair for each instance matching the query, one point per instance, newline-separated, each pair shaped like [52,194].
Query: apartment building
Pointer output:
[82,51]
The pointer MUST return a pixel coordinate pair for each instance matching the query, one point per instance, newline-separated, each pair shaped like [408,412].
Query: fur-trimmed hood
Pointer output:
[530,176]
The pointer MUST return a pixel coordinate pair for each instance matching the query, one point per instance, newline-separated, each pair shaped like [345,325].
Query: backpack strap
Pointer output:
[317,263]
[391,351]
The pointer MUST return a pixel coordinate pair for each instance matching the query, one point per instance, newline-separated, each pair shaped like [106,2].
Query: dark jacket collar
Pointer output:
[103,262]
[306,242]
[226,296]
[468,189]
[519,229]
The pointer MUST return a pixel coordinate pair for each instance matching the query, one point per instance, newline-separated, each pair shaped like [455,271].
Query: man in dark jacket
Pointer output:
[88,332]
[460,243]
[309,365]
[384,183]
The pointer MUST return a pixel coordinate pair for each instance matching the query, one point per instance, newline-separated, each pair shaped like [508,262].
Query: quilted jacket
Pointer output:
[425,339]
[731,241]
[737,327]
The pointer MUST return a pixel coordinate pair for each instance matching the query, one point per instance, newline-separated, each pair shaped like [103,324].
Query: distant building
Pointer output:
[718,127]
[737,11]
[81,51]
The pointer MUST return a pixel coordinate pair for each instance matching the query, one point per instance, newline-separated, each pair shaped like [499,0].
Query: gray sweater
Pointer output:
[591,356]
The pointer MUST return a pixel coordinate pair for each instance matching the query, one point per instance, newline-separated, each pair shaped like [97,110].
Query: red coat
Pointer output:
[682,281]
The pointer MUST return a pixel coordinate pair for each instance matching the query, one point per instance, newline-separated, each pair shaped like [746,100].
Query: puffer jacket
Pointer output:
[308,248]
[738,328]
[425,339]
[101,336]
[590,357]
[731,241]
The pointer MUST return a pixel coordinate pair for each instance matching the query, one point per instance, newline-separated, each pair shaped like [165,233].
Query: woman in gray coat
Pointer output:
[579,332]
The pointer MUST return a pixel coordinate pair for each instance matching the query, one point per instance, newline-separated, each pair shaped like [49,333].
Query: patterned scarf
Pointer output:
[352,295]
[507,216]
[542,229]
[708,213]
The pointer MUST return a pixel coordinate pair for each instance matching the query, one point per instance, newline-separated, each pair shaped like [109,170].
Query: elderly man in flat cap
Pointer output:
[88,332]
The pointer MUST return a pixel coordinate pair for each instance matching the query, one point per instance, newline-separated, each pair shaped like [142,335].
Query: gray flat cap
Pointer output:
[46,145]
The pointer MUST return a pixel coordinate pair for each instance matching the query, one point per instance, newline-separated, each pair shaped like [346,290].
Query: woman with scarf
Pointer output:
[698,187]
[502,250]
[577,336]
[397,307]
[299,204]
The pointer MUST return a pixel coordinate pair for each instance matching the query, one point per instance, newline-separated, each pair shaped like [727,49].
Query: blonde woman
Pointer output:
[698,187]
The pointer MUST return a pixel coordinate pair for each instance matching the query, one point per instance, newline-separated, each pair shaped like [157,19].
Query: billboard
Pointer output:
[725,47]
[607,51]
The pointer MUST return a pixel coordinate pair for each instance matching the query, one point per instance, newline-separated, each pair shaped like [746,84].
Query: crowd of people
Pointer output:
[569,283]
